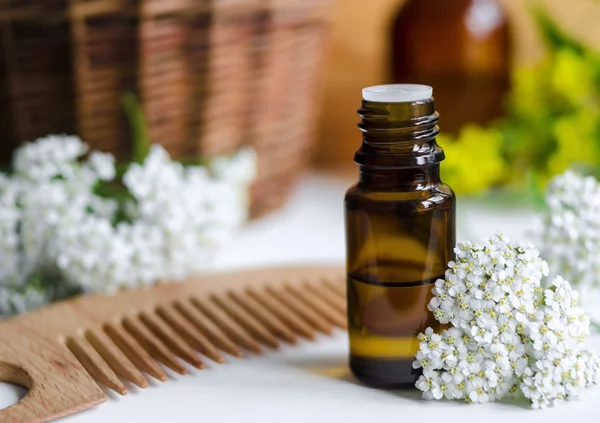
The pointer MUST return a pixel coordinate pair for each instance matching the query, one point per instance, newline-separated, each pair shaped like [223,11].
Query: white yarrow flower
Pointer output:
[58,235]
[508,333]
[570,234]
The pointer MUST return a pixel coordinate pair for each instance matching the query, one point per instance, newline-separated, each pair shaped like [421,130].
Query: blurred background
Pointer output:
[517,83]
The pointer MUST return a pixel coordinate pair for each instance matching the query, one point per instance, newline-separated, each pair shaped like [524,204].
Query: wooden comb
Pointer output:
[59,352]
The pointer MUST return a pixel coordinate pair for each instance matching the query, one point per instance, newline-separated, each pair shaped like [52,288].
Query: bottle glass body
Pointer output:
[400,235]
[470,69]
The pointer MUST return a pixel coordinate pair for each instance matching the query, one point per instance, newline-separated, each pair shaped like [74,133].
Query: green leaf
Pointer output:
[596,137]
[135,115]
[194,161]
[554,37]
[536,190]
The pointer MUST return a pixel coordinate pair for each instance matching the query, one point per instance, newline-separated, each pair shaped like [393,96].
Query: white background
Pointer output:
[310,382]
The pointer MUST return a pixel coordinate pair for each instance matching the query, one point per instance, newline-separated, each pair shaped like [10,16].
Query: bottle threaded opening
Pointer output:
[399,134]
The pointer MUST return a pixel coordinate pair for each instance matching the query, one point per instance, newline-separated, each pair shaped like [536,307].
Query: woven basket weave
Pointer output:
[211,75]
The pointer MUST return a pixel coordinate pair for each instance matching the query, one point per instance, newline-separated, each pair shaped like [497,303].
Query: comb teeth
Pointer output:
[189,333]
[134,351]
[226,322]
[287,316]
[153,345]
[207,327]
[269,320]
[94,364]
[246,321]
[229,326]
[115,358]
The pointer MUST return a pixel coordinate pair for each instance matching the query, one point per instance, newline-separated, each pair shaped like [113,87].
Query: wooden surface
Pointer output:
[61,352]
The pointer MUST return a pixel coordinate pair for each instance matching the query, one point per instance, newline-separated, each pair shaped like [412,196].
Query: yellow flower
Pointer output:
[572,75]
[529,90]
[474,160]
[575,140]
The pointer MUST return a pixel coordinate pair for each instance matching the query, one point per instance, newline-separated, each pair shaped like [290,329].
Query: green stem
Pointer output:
[135,114]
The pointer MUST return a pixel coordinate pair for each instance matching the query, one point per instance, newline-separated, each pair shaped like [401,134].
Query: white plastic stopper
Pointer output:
[397,93]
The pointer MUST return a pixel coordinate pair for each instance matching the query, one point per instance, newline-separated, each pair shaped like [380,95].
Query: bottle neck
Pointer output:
[407,178]
[398,135]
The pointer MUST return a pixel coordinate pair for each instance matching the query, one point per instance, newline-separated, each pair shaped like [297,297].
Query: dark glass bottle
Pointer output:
[462,48]
[400,232]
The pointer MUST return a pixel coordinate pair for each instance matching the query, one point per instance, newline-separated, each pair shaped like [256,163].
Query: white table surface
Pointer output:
[310,382]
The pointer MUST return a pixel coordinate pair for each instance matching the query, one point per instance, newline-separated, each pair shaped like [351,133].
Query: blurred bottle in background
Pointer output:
[461,47]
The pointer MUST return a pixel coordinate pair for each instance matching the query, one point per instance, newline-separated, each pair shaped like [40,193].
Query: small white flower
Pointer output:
[478,395]
[508,333]
[57,235]
[103,165]
[570,233]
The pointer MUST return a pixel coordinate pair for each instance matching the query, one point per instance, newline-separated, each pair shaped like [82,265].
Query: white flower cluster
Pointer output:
[58,233]
[508,334]
[16,293]
[570,235]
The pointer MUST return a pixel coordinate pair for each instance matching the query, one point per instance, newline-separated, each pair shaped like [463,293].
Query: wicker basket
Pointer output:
[36,90]
[211,75]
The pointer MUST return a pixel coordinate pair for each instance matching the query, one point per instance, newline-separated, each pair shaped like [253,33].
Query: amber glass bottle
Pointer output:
[462,48]
[399,232]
